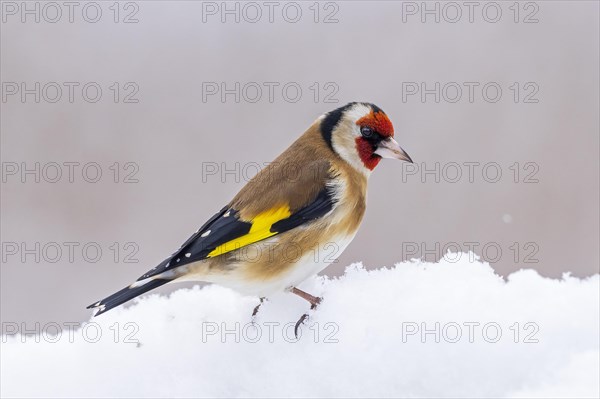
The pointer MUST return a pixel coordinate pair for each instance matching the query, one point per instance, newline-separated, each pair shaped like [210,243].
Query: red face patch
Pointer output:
[379,122]
[365,151]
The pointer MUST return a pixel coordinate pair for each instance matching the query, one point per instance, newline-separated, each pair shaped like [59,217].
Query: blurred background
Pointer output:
[125,125]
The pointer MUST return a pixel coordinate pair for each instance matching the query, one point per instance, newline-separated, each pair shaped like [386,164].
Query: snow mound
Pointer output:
[445,329]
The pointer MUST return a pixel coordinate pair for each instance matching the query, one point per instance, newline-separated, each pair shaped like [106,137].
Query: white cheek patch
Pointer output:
[345,146]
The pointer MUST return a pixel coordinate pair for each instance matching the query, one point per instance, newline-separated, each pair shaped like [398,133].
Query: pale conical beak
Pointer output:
[389,148]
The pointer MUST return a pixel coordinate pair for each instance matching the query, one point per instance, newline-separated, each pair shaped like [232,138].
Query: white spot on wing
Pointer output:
[205,234]
[188,255]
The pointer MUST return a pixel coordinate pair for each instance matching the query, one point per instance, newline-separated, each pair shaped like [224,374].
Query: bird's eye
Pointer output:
[366,131]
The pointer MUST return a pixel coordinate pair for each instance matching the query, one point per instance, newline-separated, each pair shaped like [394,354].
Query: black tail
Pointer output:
[125,295]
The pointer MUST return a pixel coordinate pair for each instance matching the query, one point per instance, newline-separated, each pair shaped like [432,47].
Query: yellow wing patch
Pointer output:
[261,229]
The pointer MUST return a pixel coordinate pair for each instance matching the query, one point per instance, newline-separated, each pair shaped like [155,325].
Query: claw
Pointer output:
[298,323]
[255,311]
[313,300]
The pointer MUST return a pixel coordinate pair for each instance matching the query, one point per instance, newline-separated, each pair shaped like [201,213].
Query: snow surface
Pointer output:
[369,341]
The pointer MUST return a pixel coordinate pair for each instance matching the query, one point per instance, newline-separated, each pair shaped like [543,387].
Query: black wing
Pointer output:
[226,226]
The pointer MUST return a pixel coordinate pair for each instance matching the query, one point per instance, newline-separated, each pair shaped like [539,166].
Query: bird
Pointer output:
[271,236]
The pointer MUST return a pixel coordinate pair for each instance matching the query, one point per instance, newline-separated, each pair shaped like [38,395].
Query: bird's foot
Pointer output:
[314,302]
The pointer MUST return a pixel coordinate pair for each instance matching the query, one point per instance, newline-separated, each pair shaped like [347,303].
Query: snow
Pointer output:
[373,335]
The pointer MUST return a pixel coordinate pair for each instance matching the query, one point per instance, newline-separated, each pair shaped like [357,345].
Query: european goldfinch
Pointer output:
[272,235]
